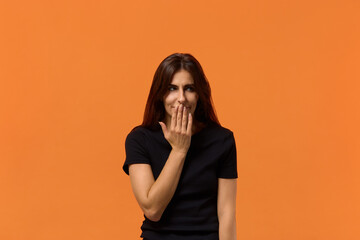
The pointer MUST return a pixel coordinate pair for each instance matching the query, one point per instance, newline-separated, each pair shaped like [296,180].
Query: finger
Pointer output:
[173,118]
[184,120]
[179,117]
[163,128]
[189,125]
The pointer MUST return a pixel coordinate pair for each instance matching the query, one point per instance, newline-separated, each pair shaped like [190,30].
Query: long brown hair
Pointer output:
[155,111]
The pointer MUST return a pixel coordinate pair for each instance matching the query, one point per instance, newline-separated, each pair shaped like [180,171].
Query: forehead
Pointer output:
[182,77]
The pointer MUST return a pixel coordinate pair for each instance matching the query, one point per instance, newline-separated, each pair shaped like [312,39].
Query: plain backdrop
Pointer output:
[74,79]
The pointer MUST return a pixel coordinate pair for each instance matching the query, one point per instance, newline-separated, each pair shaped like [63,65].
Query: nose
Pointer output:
[181,97]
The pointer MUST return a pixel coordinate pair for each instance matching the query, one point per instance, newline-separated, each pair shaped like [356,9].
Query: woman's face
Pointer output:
[180,91]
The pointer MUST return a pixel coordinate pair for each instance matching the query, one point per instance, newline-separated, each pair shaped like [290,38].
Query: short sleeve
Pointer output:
[135,148]
[228,163]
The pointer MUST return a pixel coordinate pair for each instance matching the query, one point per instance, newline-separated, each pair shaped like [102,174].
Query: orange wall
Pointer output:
[74,78]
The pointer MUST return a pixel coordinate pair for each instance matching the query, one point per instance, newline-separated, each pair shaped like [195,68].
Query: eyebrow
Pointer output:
[187,85]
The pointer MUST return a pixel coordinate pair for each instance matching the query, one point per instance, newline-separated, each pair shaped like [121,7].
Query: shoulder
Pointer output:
[214,135]
[219,132]
[141,131]
[136,147]
[141,134]
[135,133]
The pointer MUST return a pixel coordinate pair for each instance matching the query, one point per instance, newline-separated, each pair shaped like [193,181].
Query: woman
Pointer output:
[181,162]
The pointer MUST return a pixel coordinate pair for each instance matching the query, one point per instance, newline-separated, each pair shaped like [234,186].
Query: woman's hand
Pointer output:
[179,132]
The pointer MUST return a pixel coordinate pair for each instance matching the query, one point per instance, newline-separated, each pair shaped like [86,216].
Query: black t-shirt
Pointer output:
[193,208]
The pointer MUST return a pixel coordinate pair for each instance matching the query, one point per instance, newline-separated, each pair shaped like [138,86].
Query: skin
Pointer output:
[180,92]
[177,126]
[227,208]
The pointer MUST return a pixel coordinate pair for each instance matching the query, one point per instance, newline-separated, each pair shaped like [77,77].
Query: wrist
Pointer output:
[179,152]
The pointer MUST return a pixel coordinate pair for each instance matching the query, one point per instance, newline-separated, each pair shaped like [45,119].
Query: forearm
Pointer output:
[163,189]
[227,227]
[227,209]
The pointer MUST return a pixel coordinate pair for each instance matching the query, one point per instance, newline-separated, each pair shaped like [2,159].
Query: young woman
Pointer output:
[181,161]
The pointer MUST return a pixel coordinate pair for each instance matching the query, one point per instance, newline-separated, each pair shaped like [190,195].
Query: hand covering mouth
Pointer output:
[183,105]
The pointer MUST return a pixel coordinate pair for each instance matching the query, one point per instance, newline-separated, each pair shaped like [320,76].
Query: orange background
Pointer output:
[74,81]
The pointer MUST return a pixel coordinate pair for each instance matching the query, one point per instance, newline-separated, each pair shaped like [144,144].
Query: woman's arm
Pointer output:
[227,209]
[154,196]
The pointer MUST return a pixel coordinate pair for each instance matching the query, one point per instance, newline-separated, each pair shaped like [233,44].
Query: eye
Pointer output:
[190,89]
[171,88]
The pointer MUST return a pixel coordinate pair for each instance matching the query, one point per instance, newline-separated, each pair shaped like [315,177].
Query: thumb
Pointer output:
[163,127]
